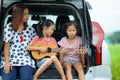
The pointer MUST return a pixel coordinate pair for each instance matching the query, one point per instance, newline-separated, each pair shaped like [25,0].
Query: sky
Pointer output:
[108,13]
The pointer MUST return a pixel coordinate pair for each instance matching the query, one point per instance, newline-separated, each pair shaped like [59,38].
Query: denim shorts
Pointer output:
[71,61]
[41,61]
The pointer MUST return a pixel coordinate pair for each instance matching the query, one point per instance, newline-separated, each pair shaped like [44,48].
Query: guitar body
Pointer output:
[39,55]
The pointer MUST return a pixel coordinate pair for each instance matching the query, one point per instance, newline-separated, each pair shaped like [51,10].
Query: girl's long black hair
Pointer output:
[42,24]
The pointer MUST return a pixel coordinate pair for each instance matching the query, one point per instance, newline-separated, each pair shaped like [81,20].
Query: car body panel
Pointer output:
[103,71]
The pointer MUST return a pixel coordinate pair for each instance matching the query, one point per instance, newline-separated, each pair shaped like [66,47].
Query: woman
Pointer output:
[17,35]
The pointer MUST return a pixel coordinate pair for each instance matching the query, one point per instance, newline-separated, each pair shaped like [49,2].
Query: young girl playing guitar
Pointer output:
[45,30]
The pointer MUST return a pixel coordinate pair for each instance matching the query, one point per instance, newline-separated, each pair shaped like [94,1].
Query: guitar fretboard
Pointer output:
[60,49]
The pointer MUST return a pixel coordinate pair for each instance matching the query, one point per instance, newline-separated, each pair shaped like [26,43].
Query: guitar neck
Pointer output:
[60,49]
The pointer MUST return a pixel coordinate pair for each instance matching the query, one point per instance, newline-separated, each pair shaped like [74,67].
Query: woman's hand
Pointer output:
[7,67]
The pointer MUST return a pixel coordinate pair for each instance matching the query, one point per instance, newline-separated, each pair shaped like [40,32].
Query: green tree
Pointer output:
[115,37]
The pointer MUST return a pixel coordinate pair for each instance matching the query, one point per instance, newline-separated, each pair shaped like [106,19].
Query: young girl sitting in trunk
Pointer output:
[45,30]
[69,59]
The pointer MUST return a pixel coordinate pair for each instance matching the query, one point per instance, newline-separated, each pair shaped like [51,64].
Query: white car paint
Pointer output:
[103,71]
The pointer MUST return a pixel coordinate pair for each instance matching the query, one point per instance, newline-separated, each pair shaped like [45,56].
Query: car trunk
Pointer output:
[58,8]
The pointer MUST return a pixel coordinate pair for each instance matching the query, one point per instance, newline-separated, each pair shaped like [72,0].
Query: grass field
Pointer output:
[115,55]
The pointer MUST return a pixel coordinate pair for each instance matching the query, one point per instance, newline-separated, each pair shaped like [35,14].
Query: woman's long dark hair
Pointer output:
[17,16]
[42,24]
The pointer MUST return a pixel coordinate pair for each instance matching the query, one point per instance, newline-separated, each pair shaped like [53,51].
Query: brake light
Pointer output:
[97,39]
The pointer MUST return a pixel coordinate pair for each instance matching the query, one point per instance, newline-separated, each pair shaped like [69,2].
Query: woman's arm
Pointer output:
[6,52]
[7,66]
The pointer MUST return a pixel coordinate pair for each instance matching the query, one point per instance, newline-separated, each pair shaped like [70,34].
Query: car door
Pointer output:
[1,28]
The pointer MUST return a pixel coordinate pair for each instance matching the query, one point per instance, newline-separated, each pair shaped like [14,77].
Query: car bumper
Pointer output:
[102,72]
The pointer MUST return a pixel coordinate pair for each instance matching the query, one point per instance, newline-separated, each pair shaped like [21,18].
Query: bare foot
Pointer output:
[84,66]
[64,78]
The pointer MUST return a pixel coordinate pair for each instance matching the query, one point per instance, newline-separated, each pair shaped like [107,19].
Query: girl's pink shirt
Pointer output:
[37,38]
[71,55]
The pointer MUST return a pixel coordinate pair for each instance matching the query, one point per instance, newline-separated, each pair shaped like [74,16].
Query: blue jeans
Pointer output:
[25,73]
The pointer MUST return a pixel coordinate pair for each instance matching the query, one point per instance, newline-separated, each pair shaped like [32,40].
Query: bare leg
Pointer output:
[58,67]
[68,70]
[83,60]
[42,68]
[79,69]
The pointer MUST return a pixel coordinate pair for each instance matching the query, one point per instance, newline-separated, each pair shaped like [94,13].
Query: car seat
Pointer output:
[60,21]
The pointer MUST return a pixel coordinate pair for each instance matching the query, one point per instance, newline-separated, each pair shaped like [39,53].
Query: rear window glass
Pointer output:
[58,13]
[33,19]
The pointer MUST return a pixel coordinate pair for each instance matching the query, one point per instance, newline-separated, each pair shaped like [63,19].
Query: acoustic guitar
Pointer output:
[53,50]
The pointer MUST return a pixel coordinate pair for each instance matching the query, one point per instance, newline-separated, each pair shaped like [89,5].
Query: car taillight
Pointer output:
[97,39]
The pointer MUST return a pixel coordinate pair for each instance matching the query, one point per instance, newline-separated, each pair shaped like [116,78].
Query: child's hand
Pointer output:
[64,51]
[76,50]
[43,49]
